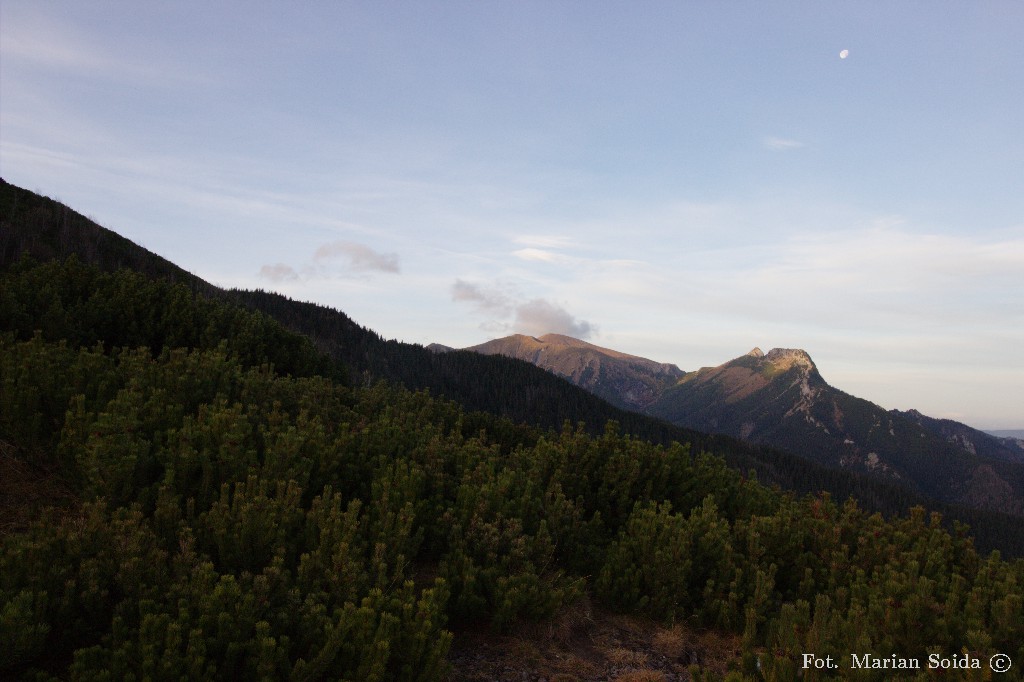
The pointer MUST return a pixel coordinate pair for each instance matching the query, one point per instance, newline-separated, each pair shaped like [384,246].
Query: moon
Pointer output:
[844,54]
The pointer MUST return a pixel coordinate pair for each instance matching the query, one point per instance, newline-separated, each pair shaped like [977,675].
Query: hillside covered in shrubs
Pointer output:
[231,507]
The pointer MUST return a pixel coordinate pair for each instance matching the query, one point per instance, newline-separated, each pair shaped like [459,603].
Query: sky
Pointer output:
[682,181]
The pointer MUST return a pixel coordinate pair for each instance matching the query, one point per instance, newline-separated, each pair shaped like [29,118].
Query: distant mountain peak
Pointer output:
[754,372]
[784,358]
[625,380]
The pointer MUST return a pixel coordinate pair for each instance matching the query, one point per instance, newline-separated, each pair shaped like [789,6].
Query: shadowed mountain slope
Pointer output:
[972,440]
[37,226]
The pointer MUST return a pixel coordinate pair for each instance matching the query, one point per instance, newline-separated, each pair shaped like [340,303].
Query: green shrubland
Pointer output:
[239,511]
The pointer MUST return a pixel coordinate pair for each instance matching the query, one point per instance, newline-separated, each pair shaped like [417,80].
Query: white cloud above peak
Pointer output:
[539,317]
[535,317]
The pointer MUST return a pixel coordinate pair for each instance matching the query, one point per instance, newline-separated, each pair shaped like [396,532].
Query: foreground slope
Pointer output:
[227,520]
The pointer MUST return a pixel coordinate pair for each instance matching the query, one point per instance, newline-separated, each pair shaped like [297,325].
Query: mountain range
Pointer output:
[780,399]
[624,380]
[562,381]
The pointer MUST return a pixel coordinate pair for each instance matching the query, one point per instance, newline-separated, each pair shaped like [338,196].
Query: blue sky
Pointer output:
[677,180]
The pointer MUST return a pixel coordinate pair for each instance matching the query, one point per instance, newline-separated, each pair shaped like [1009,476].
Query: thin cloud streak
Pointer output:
[543,241]
[782,144]
[359,256]
[539,255]
[56,46]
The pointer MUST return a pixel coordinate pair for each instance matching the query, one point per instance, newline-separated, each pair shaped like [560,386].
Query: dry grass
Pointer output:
[582,644]
[670,643]
[716,648]
[641,676]
[569,623]
[573,667]
[621,657]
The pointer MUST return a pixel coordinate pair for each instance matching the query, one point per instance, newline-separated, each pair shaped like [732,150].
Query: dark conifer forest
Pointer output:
[208,485]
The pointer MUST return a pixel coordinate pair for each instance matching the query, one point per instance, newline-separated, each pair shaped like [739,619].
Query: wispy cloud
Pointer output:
[782,144]
[888,258]
[536,317]
[489,300]
[360,259]
[279,272]
[540,255]
[56,45]
[359,256]
[885,279]
[544,241]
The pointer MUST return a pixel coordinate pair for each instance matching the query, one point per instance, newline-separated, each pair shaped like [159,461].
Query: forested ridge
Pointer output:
[525,393]
[31,224]
[232,507]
